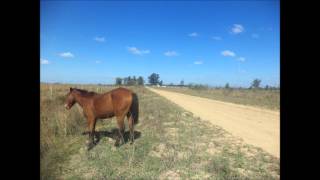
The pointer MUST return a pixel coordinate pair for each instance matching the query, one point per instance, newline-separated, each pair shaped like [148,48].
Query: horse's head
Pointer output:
[70,101]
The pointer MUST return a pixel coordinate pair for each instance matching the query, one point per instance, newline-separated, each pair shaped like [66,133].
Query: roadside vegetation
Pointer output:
[171,143]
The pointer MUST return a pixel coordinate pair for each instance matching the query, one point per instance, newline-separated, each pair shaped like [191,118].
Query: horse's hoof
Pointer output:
[90,146]
[116,144]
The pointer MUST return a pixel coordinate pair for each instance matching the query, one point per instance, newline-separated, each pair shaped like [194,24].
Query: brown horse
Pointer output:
[118,102]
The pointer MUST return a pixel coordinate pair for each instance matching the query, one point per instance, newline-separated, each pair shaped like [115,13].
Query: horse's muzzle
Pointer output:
[66,106]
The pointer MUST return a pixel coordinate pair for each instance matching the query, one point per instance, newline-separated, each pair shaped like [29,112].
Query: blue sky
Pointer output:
[209,42]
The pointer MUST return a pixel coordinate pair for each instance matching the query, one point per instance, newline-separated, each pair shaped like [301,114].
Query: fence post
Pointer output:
[51,91]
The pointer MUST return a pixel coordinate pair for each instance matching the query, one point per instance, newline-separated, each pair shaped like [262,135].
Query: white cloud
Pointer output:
[228,53]
[255,36]
[171,53]
[194,34]
[99,39]
[237,28]
[137,51]
[44,61]
[198,62]
[242,59]
[216,38]
[67,55]
[233,54]
[98,62]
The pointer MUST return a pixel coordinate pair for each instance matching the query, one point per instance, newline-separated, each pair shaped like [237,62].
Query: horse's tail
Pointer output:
[134,109]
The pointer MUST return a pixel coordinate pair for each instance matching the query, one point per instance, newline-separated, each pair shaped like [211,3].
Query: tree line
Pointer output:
[130,81]
[154,79]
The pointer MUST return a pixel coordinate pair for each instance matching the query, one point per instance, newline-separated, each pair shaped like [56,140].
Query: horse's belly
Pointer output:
[106,115]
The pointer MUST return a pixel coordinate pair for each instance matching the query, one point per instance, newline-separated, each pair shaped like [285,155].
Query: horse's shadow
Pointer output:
[113,134]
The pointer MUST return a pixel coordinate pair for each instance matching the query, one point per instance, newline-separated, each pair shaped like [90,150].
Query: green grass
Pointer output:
[172,144]
[269,99]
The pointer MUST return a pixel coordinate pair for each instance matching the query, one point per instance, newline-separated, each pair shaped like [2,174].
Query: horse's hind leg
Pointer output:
[121,128]
[131,127]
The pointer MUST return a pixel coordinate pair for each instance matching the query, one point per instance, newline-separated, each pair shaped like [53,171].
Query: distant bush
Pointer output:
[198,86]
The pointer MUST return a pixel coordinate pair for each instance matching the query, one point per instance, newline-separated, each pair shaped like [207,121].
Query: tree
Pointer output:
[140,80]
[160,83]
[131,81]
[118,81]
[154,79]
[256,83]
[267,87]
[181,83]
[134,80]
[227,86]
[125,81]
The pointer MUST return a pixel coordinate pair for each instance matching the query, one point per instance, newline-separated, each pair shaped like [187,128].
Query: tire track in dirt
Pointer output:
[256,126]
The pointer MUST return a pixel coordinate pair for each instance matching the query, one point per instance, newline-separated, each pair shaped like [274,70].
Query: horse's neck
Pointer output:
[81,100]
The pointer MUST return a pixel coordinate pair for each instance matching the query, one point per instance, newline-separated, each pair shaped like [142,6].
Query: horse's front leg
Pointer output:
[91,125]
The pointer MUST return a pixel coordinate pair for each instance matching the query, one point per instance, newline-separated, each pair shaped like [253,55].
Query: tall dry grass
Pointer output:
[56,123]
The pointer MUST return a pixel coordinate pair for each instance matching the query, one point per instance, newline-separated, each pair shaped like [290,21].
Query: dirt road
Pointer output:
[256,126]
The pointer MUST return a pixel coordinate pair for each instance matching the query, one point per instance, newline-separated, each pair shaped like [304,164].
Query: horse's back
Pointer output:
[121,89]
[121,93]
[121,99]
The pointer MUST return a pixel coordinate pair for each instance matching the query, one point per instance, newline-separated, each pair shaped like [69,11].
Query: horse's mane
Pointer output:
[85,92]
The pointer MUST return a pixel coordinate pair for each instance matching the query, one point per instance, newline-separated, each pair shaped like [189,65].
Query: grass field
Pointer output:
[170,144]
[269,99]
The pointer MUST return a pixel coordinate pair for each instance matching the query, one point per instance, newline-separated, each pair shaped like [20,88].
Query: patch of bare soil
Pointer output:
[256,126]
